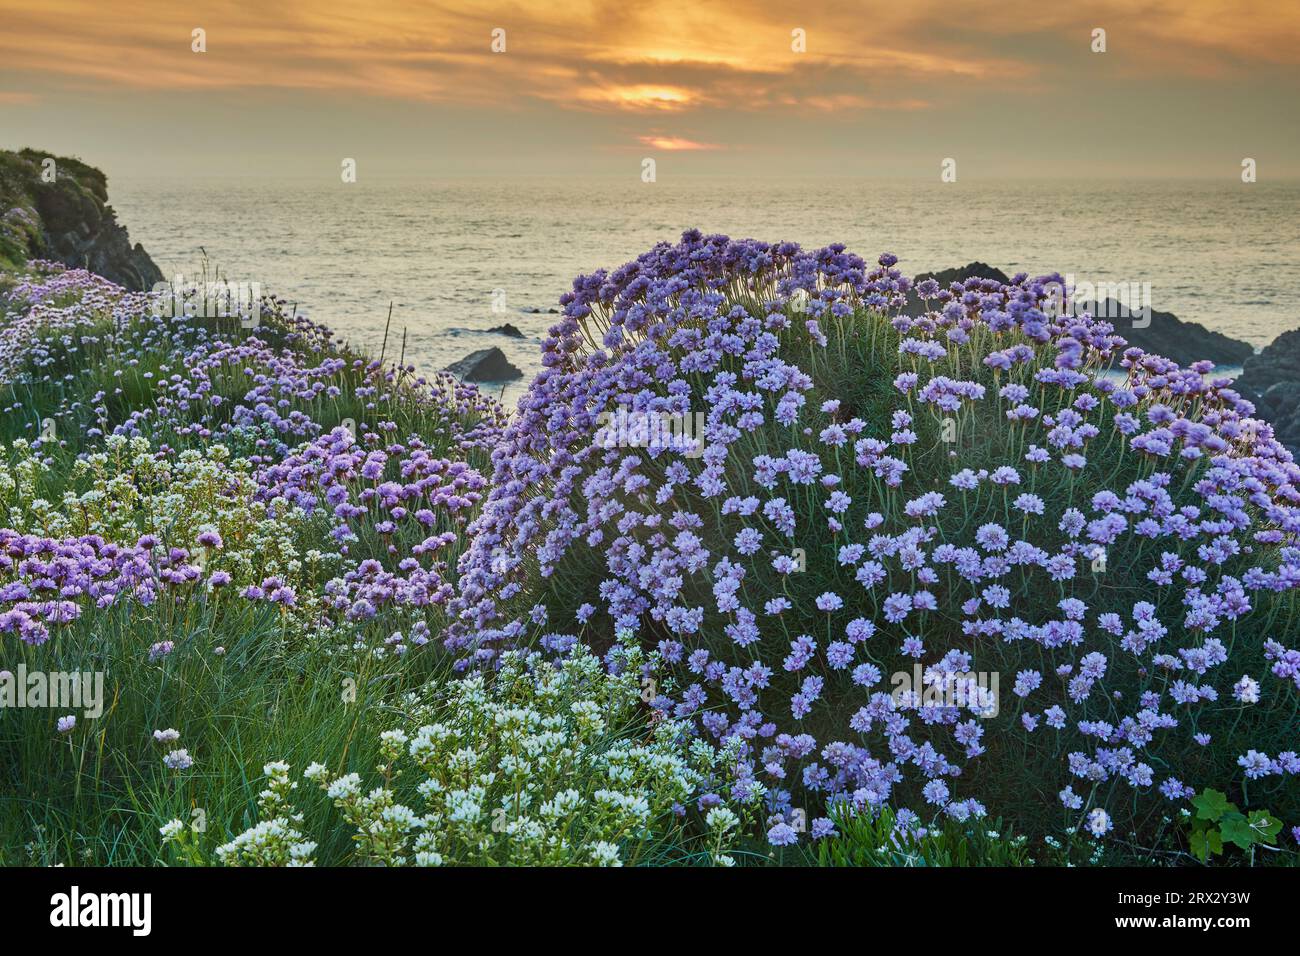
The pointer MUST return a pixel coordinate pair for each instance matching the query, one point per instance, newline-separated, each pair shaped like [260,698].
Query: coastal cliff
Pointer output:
[56,207]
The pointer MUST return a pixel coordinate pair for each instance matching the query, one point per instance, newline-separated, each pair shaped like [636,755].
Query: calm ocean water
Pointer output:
[1225,255]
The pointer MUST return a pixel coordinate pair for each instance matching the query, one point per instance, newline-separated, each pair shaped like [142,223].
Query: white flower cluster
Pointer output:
[129,488]
[274,841]
[537,764]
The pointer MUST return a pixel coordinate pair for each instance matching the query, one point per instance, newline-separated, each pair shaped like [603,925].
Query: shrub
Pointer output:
[183,518]
[983,488]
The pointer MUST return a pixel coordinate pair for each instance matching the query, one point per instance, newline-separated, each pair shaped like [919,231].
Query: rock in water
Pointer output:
[509,330]
[67,219]
[485,365]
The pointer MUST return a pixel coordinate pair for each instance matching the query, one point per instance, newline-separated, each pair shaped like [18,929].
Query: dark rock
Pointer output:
[485,365]
[509,330]
[74,223]
[1167,335]
[1278,363]
[973,270]
[1282,396]
[1271,380]
[946,277]
[1174,339]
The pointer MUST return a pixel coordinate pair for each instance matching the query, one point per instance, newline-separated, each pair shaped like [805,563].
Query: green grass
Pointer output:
[291,688]
[98,795]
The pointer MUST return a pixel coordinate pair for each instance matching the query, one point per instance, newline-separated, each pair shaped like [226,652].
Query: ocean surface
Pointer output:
[1226,255]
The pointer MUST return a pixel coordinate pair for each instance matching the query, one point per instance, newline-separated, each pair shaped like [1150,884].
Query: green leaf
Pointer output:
[1236,829]
[1266,827]
[1210,804]
[1205,842]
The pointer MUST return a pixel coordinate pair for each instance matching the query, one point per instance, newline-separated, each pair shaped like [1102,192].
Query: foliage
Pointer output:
[881,515]
[1218,822]
[879,840]
[540,765]
[572,637]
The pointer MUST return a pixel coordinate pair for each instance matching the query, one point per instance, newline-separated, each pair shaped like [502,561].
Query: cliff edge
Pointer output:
[55,207]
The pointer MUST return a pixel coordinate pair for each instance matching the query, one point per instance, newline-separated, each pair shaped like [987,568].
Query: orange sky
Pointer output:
[717,80]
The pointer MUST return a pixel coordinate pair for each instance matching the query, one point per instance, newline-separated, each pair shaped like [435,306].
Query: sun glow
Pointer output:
[673,143]
[640,97]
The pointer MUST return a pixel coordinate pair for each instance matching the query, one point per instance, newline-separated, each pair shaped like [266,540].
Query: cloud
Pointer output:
[706,76]
[639,96]
[654,55]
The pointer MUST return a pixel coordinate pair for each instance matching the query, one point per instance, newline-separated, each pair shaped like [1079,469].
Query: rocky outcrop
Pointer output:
[973,270]
[1166,335]
[507,329]
[485,365]
[1173,338]
[1271,380]
[946,277]
[54,207]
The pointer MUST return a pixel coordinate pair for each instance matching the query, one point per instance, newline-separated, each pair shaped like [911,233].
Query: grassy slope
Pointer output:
[281,691]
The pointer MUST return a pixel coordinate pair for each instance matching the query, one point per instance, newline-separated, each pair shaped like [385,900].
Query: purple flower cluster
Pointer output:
[413,505]
[397,509]
[277,383]
[47,582]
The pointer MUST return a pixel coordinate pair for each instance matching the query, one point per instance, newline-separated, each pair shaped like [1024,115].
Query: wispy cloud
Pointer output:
[649,56]
[639,96]
[716,80]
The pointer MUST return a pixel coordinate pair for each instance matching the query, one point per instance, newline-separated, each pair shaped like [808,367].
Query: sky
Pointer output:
[742,88]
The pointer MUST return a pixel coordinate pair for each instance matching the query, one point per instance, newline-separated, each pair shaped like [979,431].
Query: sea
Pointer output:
[453,259]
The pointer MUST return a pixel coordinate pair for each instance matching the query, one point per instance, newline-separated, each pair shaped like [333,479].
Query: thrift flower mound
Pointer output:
[980,560]
[175,456]
[397,511]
